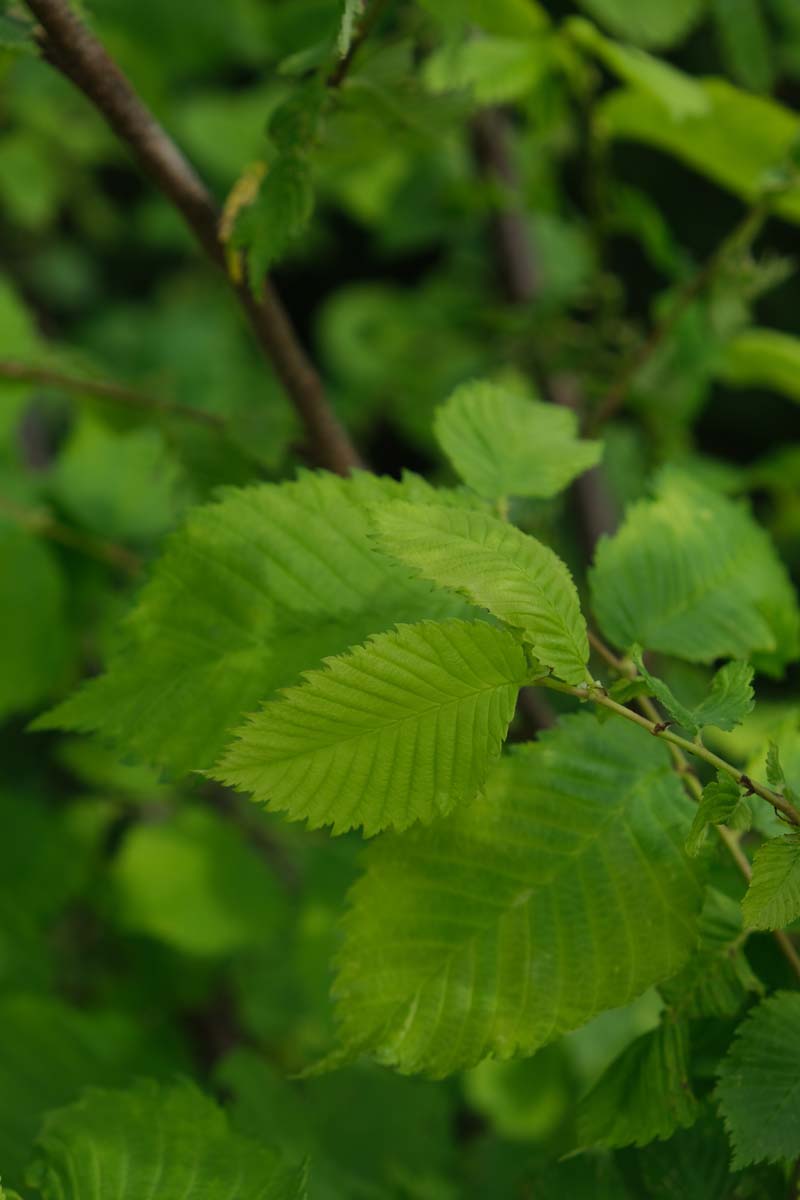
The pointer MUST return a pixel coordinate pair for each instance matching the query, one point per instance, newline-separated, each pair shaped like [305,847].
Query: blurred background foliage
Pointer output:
[154,926]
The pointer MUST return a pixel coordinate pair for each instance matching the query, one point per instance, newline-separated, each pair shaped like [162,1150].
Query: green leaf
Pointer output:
[508,18]
[250,593]
[773,897]
[195,884]
[721,804]
[16,35]
[681,95]
[739,142]
[399,730]
[497,70]
[744,39]
[759,1083]
[690,573]
[499,568]
[729,700]
[267,228]
[561,892]
[718,980]
[171,1141]
[503,444]
[34,640]
[648,22]
[764,358]
[644,1095]
[692,1165]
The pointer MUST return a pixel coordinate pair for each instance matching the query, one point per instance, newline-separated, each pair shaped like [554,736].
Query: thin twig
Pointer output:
[107,390]
[690,780]
[40,522]
[71,48]
[742,234]
[367,24]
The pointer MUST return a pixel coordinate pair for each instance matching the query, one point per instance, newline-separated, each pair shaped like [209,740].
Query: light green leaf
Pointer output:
[764,358]
[507,18]
[172,1139]
[720,804]
[773,897]
[740,142]
[690,573]
[496,69]
[745,41]
[267,228]
[648,22]
[250,593]
[499,568]
[759,1083]
[681,95]
[644,1095]
[729,700]
[718,980]
[195,884]
[562,892]
[503,444]
[401,729]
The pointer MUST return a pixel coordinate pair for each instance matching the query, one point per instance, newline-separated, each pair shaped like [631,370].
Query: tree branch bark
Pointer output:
[71,48]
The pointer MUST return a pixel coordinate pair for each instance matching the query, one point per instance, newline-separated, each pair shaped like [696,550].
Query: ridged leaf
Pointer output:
[759,1083]
[720,804]
[401,729]
[503,444]
[690,573]
[250,593]
[644,1095]
[773,897]
[562,892]
[151,1140]
[499,568]
[729,700]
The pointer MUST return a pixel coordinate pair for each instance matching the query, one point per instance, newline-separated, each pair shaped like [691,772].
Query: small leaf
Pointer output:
[353,9]
[172,1138]
[400,729]
[691,573]
[648,22]
[277,216]
[503,444]
[764,358]
[720,804]
[730,698]
[499,568]
[759,1083]
[497,70]
[680,95]
[644,1095]
[773,897]
[663,693]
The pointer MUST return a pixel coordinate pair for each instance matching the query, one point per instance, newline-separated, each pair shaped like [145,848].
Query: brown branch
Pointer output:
[107,390]
[520,278]
[69,46]
[40,522]
[691,290]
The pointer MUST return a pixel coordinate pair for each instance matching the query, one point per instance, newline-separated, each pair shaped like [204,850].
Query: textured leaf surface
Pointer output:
[253,591]
[690,573]
[759,1083]
[499,568]
[644,1095]
[718,979]
[729,700]
[651,23]
[503,444]
[720,804]
[773,897]
[401,729]
[738,142]
[763,358]
[561,893]
[169,1142]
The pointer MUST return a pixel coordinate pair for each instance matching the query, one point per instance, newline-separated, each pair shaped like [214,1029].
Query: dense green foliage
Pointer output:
[432,829]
